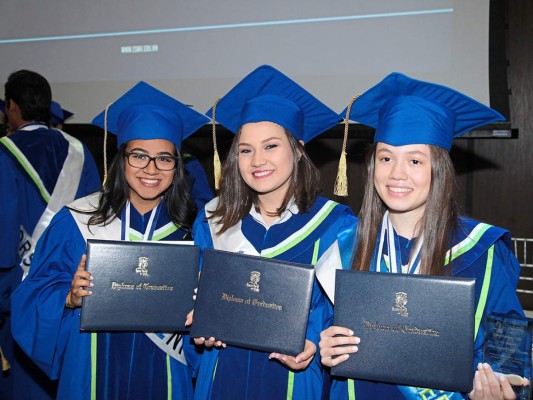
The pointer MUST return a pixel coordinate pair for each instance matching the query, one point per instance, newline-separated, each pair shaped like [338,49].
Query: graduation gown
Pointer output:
[200,190]
[92,365]
[479,251]
[303,237]
[33,161]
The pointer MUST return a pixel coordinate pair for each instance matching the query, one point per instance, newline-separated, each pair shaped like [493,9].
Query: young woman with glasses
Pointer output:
[145,197]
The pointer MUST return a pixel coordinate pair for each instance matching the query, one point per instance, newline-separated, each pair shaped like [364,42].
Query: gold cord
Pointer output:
[216,159]
[341,182]
[105,142]
[5,363]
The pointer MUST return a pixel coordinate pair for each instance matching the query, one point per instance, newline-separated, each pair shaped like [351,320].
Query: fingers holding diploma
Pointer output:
[299,362]
[79,287]
[209,342]
[336,344]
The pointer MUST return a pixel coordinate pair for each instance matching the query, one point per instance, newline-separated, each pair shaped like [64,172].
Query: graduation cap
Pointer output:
[58,115]
[266,94]
[408,111]
[144,112]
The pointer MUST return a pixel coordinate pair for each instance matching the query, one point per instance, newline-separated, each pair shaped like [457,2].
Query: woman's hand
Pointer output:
[209,342]
[335,349]
[299,362]
[79,285]
[189,319]
[489,385]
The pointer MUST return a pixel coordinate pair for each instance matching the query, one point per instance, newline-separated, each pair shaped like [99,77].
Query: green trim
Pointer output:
[169,379]
[315,252]
[303,235]
[386,261]
[166,232]
[290,377]
[94,338]
[471,242]
[13,149]
[484,290]
[134,237]
[290,385]
[351,389]
[215,370]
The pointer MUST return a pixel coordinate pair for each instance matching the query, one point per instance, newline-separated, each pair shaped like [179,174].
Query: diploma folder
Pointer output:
[415,330]
[253,302]
[139,286]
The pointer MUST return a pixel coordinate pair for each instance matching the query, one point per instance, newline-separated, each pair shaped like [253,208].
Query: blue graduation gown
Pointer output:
[105,365]
[200,189]
[236,373]
[22,205]
[490,249]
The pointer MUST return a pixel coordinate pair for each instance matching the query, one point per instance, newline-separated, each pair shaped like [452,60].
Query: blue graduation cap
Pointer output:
[268,95]
[144,112]
[58,115]
[408,111]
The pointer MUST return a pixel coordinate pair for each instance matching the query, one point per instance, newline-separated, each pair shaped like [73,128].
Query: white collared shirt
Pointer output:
[290,210]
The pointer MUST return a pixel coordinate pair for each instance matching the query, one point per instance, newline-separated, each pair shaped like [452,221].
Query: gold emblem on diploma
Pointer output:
[400,304]
[255,276]
[142,267]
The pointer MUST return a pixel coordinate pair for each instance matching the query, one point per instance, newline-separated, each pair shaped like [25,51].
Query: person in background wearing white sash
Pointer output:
[145,197]
[409,223]
[42,169]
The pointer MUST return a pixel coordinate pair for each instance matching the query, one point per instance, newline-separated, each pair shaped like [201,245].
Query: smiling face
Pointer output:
[402,178]
[266,161]
[149,183]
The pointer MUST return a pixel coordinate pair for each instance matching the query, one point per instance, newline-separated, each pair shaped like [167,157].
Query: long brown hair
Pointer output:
[437,224]
[236,197]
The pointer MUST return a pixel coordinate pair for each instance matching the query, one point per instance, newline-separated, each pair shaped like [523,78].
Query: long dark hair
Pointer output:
[116,192]
[236,197]
[437,224]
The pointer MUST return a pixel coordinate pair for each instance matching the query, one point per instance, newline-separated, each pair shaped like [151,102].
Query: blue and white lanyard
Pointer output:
[150,228]
[413,266]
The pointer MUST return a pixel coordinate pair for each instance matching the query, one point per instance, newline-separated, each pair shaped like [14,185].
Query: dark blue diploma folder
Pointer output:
[415,330]
[253,302]
[139,286]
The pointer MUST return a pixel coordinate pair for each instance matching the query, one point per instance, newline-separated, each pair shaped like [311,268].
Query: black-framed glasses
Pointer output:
[140,160]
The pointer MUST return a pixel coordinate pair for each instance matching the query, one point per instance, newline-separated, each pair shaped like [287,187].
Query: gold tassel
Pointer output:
[5,363]
[217,167]
[216,159]
[341,182]
[105,142]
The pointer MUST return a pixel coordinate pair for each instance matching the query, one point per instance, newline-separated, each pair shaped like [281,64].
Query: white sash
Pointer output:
[64,192]
[325,269]
[170,343]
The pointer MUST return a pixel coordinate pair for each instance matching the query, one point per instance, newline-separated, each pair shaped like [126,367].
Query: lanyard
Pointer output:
[150,228]
[396,266]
